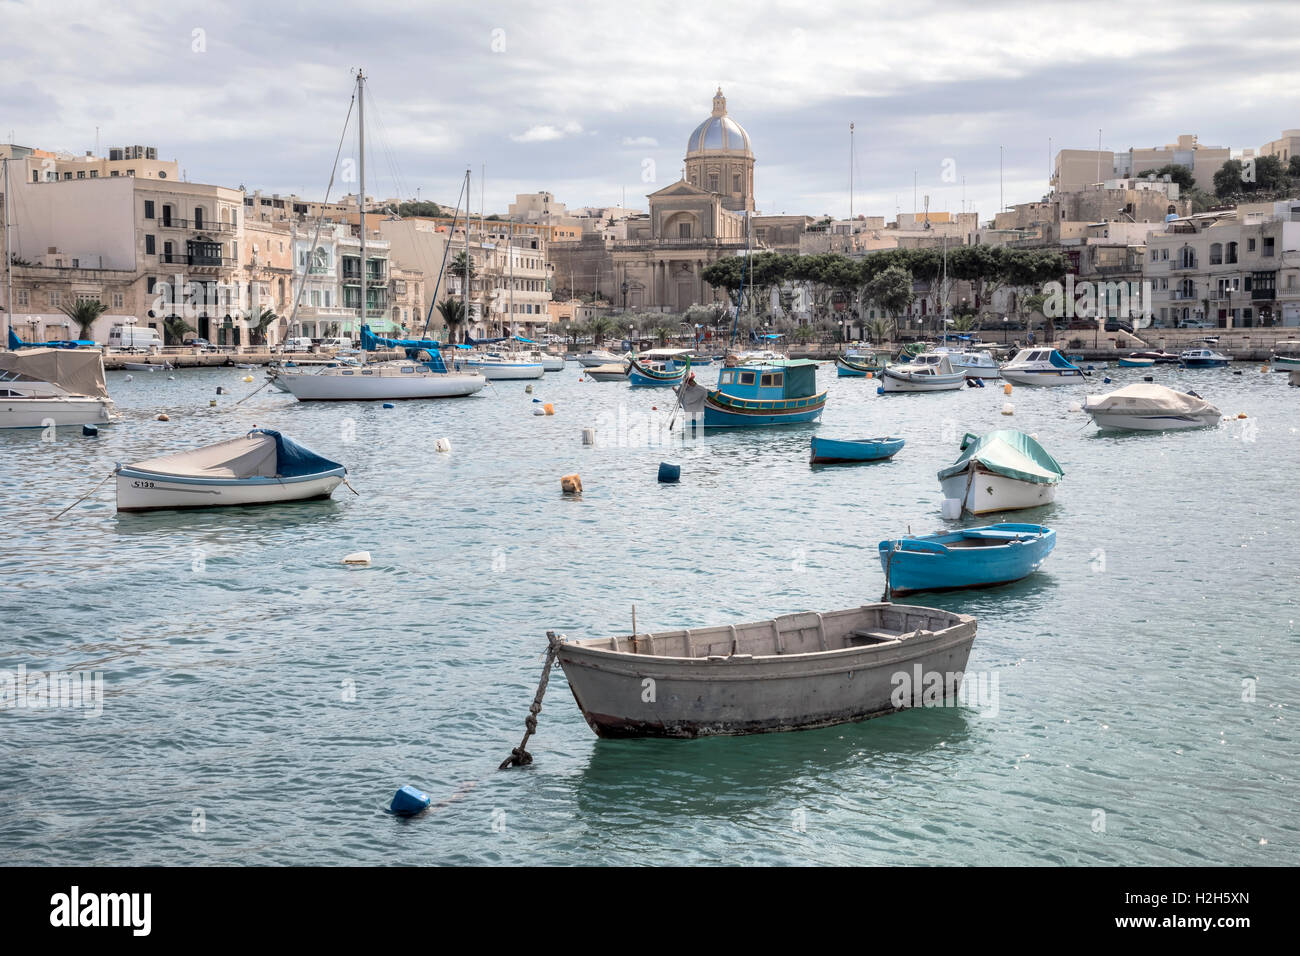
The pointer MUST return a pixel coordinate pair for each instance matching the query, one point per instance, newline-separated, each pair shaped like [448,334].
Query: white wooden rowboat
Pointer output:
[793,672]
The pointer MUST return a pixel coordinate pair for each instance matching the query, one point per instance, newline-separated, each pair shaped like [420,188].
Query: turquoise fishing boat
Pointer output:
[780,392]
[656,374]
[858,365]
[833,451]
[970,558]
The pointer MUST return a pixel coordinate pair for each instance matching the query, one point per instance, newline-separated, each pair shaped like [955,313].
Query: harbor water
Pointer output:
[262,701]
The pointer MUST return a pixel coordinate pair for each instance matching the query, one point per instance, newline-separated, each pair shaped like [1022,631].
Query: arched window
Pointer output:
[1232,252]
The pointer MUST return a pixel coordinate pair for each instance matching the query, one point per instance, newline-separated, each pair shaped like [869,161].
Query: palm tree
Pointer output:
[804,334]
[84,312]
[175,329]
[599,327]
[882,330]
[453,314]
[661,333]
[259,324]
[963,322]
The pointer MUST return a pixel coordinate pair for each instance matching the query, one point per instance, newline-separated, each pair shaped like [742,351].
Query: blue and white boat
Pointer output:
[263,467]
[781,392]
[969,558]
[1041,367]
[1203,358]
[927,372]
[656,372]
[833,451]
[856,363]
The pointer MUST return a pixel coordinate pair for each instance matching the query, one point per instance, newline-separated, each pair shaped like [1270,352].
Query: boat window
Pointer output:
[348,371]
[407,370]
[746,378]
[765,380]
[366,371]
[728,378]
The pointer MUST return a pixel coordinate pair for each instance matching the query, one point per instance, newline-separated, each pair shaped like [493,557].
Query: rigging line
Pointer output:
[311,252]
[433,299]
[390,152]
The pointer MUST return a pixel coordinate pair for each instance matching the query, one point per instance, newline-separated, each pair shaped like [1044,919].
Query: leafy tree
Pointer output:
[1176,173]
[84,312]
[175,329]
[661,334]
[423,208]
[891,289]
[1293,167]
[599,327]
[804,334]
[881,330]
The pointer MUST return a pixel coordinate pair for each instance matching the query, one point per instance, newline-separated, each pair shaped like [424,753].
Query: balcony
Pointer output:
[207,225]
[197,262]
[1263,295]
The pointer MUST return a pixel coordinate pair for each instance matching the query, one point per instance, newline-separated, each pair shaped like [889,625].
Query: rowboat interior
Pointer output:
[807,632]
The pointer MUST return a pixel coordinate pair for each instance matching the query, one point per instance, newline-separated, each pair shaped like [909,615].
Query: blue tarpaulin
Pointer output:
[292,459]
[16,343]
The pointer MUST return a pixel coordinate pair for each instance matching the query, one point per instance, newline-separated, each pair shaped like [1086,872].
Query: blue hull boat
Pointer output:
[645,375]
[831,451]
[970,558]
[779,392]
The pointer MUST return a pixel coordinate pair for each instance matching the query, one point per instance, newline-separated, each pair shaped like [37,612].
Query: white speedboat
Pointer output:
[928,372]
[550,362]
[1203,358]
[150,366]
[1148,407]
[613,372]
[263,467]
[42,387]
[974,364]
[504,366]
[384,380]
[1041,367]
[1285,355]
[596,357]
[1004,470]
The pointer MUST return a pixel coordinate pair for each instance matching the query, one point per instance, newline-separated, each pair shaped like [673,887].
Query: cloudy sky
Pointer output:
[594,101]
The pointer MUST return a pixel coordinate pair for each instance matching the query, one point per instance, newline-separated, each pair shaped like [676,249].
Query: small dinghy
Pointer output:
[612,372]
[794,672]
[261,468]
[831,451]
[1002,471]
[1144,407]
[1134,361]
[970,558]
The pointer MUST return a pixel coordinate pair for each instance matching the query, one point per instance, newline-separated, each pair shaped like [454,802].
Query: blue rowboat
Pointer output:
[970,558]
[829,451]
[669,373]
[1133,361]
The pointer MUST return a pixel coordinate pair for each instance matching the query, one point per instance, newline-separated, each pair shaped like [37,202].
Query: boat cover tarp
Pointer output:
[261,453]
[1146,398]
[76,371]
[800,377]
[1010,453]
[692,396]
[370,342]
[469,339]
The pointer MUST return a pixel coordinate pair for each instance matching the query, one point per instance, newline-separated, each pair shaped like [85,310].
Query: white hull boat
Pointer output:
[596,357]
[1148,407]
[795,672]
[386,380]
[501,368]
[1004,470]
[43,387]
[929,372]
[614,372]
[1041,367]
[261,468]
[147,366]
[973,364]
[985,492]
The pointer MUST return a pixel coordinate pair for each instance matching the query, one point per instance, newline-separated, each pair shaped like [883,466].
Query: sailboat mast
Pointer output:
[850,176]
[361,197]
[510,251]
[9,262]
[464,276]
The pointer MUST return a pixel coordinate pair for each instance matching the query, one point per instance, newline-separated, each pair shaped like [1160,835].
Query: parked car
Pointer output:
[203,344]
[1115,325]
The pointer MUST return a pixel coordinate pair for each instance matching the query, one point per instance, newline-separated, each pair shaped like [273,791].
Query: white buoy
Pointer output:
[1076,407]
[357,557]
[442,444]
[130,378]
[950,509]
[1008,409]
[589,436]
[538,410]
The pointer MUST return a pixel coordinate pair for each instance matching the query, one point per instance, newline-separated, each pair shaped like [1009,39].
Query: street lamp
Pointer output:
[1004,329]
[624,287]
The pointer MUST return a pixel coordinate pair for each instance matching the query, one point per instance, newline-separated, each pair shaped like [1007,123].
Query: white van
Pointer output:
[297,345]
[133,337]
[345,342]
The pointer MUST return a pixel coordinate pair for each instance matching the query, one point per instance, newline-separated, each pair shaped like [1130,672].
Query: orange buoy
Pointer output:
[1006,388]
[549,408]
[871,375]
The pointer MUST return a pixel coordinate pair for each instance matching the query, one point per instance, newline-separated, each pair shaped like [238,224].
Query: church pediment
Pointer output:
[679,188]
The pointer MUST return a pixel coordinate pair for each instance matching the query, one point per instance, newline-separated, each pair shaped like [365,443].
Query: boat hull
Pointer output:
[146,491]
[734,694]
[1136,363]
[605,376]
[1054,377]
[1130,422]
[722,411]
[1205,363]
[914,568]
[892,381]
[43,412]
[314,387]
[987,492]
[830,451]
[1285,363]
[507,372]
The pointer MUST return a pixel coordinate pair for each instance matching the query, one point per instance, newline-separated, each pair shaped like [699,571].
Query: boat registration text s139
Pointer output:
[142,484]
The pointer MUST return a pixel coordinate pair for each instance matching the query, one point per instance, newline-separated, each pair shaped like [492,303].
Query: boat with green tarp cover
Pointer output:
[778,392]
[1003,470]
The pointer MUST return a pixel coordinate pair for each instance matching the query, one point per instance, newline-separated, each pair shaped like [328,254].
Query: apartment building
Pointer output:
[1234,269]
[47,166]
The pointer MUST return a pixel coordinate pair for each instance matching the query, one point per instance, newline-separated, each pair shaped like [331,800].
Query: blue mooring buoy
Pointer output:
[409,801]
[880,390]
[668,472]
[1106,379]
[389,405]
[89,430]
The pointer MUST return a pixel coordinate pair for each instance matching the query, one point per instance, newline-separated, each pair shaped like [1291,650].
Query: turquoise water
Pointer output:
[263,701]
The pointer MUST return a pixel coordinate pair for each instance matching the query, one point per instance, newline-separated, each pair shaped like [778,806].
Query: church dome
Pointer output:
[719,132]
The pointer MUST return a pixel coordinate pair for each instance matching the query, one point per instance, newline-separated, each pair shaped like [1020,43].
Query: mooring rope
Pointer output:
[350,488]
[519,757]
[83,497]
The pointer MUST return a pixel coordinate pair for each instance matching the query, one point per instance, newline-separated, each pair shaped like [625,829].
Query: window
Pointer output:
[1250,245]
[1232,252]
[67,175]
[130,172]
[735,183]
[1216,253]
[683,230]
[149,247]
[1187,258]
[746,378]
[1155,255]
[94,174]
[22,297]
[148,209]
[87,297]
[713,182]
[150,284]
[1164,254]
[198,217]
[56,298]
[117,300]
[81,174]
[162,174]
[1290,281]
[1268,246]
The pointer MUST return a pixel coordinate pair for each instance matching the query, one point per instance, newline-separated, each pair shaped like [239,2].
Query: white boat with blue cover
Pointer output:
[969,558]
[263,467]
[1037,366]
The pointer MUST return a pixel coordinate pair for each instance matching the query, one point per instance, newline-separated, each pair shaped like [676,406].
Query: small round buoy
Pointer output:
[1147,378]
[442,444]
[571,484]
[357,557]
[162,417]
[548,408]
[589,436]
[212,403]
[1243,415]
[1106,379]
[539,410]
[171,378]
[389,405]
[130,378]
[1263,368]
[669,473]
[221,390]
[408,801]
[1008,409]
[89,430]
[880,390]
[247,378]
[1075,406]
[871,375]
[1006,388]
[528,389]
